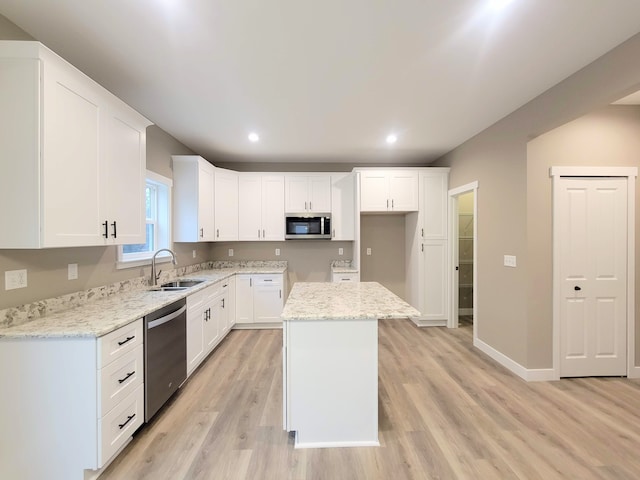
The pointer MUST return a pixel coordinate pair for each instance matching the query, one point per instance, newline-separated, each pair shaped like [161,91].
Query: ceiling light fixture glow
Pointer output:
[499,4]
[392,138]
[254,137]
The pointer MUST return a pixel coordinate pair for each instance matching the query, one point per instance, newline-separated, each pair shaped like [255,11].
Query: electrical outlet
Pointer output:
[194,254]
[341,251]
[15,279]
[368,251]
[72,271]
[277,252]
[231,252]
[509,260]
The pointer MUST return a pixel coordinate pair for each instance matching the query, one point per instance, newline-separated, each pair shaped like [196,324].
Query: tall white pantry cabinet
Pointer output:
[427,250]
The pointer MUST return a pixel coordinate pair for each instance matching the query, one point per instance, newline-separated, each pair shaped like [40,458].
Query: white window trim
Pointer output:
[163,257]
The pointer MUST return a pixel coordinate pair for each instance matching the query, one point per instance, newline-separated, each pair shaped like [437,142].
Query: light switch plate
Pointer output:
[509,260]
[231,252]
[368,251]
[277,252]
[341,251]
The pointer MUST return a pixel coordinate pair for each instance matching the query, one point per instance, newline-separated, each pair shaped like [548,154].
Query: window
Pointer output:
[158,208]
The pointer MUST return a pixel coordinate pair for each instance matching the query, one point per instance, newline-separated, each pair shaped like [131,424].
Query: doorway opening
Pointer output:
[463,221]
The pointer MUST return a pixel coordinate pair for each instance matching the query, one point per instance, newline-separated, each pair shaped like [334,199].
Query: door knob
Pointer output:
[577,288]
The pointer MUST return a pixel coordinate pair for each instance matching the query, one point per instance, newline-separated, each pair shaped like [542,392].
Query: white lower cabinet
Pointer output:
[344,277]
[259,300]
[207,321]
[74,402]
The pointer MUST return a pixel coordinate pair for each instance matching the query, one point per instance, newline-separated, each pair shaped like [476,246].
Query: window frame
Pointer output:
[162,225]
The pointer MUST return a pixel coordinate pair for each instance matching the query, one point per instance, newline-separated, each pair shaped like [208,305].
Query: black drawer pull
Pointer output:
[122,380]
[106,229]
[129,418]
[115,232]
[127,340]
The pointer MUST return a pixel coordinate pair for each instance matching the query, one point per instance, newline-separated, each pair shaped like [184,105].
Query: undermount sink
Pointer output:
[167,289]
[181,284]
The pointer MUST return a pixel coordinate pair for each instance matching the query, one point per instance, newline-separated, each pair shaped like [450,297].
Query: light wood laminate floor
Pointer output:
[446,412]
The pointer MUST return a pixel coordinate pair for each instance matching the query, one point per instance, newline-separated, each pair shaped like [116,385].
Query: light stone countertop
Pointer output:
[99,317]
[343,266]
[344,301]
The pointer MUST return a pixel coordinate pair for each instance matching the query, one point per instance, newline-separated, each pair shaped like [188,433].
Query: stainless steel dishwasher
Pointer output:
[165,355]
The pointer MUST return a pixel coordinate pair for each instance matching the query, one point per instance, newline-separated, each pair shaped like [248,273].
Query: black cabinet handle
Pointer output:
[223,303]
[128,339]
[115,232]
[202,232]
[106,229]
[577,288]
[129,418]
[122,380]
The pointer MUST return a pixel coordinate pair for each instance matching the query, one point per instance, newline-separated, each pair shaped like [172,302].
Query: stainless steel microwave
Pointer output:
[305,226]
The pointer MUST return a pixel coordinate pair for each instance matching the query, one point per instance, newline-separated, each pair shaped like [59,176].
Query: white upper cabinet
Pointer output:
[226,205]
[261,207]
[307,193]
[343,208]
[74,155]
[389,190]
[434,185]
[193,199]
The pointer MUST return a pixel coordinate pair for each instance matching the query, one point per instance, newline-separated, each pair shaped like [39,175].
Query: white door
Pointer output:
[592,214]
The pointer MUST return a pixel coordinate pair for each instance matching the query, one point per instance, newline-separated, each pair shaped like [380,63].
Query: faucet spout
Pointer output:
[154,275]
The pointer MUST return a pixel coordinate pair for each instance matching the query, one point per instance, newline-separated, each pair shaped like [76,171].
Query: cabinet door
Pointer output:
[226,205]
[434,206]
[206,186]
[374,193]
[343,207]
[267,303]
[231,301]
[319,193]
[250,205]
[273,207]
[296,194]
[211,325]
[436,280]
[244,299]
[195,330]
[403,191]
[123,172]
[70,163]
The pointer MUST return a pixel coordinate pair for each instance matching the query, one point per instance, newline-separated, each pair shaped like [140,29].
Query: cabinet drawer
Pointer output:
[345,277]
[267,279]
[119,424]
[119,342]
[118,379]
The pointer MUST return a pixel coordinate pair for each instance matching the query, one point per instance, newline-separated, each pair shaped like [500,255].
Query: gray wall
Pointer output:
[308,260]
[385,235]
[513,303]
[608,136]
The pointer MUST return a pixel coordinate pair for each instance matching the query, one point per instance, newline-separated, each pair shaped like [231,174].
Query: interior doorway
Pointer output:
[463,221]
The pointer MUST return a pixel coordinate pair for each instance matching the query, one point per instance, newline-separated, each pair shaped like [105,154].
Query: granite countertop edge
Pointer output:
[100,317]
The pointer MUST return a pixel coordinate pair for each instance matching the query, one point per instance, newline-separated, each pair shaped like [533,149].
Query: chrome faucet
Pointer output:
[154,275]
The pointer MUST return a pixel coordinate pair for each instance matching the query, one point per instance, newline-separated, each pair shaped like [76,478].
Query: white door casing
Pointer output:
[593,271]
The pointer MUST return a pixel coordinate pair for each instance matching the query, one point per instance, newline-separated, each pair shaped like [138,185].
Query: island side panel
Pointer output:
[332,382]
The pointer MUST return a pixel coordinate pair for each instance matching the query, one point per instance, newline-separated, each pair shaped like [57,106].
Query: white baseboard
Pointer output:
[257,326]
[421,322]
[634,372]
[528,374]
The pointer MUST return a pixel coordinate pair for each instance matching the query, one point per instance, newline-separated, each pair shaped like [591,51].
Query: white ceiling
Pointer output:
[326,80]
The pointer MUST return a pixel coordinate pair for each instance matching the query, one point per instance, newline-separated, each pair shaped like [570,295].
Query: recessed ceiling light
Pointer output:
[499,4]
[254,137]
[392,138]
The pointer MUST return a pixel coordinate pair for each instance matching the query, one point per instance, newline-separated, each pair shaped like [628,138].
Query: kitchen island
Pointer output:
[330,361]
